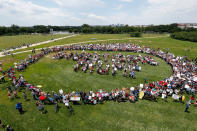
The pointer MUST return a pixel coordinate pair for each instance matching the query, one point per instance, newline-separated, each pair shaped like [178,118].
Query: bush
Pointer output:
[188,36]
[135,34]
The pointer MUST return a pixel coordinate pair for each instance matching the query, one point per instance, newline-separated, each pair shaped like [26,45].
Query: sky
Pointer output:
[96,12]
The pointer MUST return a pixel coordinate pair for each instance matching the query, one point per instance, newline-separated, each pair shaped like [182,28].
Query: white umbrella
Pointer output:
[39,86]
[61,91]
[186,86]
[132,89]
[141,85]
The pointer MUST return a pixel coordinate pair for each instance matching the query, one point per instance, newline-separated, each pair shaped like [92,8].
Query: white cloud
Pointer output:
[160,12]
[127,1]
[71,12]
[97,17]
[92,19]
[119,7]
[79,3]
[169,11]
[23,12]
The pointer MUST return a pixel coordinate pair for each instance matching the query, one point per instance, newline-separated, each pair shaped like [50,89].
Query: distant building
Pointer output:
[187,25]
[58,32]
[117,25]
[143,25]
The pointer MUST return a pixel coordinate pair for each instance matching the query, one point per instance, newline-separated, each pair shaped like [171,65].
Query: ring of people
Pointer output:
[183,80]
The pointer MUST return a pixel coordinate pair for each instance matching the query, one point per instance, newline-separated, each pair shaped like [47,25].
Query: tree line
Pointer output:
[85,28]
[188,36]
[15,30]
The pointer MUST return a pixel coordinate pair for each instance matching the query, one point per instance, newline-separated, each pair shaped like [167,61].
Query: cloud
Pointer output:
[23,12]
[79,3]
[119,7]
[129,1]
[159,12]
[96,12]
[96,17]
[169,11]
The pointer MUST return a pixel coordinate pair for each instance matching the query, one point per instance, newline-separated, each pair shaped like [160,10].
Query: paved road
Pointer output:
[1,55]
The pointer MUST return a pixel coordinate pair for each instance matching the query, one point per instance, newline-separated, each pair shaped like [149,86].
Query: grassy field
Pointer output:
[93,38]
[56,74]
[62,71]
[159,41]
[82,38]
[7,42]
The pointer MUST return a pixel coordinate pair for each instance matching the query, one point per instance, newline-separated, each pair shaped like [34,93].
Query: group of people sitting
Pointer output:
[88,61]
[184,78]
[184,71]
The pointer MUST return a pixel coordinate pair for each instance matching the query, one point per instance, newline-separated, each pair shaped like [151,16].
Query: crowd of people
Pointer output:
[7,51]
[184,78]
[89,61]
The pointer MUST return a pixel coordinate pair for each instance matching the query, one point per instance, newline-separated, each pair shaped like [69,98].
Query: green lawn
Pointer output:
[56,74]
[81,38]
[62,72]
[7,42]
[8,61]
[163,42]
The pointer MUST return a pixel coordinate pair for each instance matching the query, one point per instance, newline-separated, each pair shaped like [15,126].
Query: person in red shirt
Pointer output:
[192,99]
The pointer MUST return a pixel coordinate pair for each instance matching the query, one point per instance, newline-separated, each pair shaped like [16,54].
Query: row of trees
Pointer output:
[104,29]
[135,34]
[14,29]
[85,28]
[189,36]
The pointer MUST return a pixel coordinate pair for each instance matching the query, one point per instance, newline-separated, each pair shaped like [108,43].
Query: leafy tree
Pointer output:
[188,36]
[135,34]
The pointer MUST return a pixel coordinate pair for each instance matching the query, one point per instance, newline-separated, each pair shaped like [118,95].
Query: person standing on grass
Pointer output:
[145,80]
[33,94]
[41,108]
[9,95]
[56,107]
[187,106]
[19,108]
[15,93]
[24,96]
[33,51]
[192,99]
[133,74]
